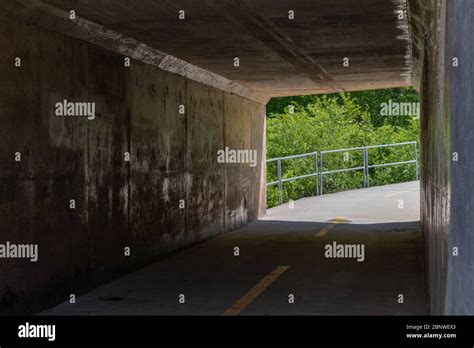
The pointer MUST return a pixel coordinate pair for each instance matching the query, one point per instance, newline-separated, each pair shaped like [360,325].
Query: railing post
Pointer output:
[316,172]
[416,159]
[365,157]
[266,186]
[321,173]
[280,185]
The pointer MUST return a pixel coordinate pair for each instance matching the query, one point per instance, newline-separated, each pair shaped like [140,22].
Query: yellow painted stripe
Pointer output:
[339,220]
[325,230]
[253,293]
[334,222]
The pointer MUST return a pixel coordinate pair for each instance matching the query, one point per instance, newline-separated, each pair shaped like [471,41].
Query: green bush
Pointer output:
[338,121]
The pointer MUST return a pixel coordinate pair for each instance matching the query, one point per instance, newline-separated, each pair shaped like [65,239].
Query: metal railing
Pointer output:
[319,171]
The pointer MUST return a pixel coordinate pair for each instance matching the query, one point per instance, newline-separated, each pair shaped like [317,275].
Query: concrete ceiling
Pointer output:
[278,56]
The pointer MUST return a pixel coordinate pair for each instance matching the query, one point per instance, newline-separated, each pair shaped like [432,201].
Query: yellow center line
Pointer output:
[253,293]
[327,228]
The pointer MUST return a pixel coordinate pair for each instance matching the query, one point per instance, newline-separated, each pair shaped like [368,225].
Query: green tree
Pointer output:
[335,121]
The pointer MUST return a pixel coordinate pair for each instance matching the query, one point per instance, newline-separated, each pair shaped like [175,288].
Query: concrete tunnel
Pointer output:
[175,81]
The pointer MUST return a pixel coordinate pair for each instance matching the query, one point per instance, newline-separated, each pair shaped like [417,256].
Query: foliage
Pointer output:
[338,121]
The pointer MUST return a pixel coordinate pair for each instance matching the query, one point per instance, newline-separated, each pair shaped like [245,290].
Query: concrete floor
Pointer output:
[213,279]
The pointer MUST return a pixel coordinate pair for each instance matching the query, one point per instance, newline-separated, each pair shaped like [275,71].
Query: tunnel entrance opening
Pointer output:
[324,144]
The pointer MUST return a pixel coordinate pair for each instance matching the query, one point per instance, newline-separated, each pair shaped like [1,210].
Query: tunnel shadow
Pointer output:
[213,278]
[287,226]
[389,281]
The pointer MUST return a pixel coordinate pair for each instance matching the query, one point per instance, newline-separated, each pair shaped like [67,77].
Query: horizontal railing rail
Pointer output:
[319,171]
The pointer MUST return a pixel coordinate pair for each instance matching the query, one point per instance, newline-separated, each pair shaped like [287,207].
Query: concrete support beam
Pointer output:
[38,13]
[284,47]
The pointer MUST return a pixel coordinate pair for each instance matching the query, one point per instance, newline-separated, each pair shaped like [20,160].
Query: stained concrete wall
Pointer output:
[118,203]
[434,140]
[446,125]
[435,125]
[460,289]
